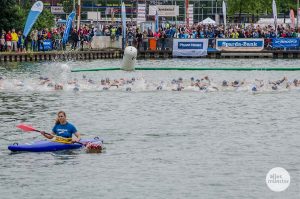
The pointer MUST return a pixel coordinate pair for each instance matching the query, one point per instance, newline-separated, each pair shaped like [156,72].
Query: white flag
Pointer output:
[224,14]
[275,15]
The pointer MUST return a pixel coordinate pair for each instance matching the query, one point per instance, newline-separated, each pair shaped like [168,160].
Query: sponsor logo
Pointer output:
[190,45]
[278,179]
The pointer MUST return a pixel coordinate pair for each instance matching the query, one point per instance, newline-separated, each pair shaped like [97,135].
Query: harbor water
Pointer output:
[161,140]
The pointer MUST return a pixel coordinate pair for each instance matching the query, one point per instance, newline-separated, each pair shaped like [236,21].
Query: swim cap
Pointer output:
[254,88]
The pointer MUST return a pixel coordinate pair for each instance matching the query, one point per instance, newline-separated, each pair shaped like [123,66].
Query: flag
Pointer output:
[68,27]
[156,21]
[112,14]
[123,11]
[33,15]
[292,17]
[275,15]
[107,10]
[224,14]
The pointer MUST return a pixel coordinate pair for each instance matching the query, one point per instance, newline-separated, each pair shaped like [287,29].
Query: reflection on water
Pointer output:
[164,143]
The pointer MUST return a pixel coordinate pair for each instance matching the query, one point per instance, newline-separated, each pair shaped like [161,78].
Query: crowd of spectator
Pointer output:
[15,41]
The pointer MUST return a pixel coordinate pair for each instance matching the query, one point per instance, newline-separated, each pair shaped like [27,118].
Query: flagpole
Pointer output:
[298,15]
[79,13]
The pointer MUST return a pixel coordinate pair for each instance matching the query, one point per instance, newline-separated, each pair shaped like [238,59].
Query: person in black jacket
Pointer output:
[74,39]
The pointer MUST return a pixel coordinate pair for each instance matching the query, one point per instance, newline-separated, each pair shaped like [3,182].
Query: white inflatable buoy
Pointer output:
[129,58]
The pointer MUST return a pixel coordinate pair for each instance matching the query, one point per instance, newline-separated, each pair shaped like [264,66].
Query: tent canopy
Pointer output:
[207,21]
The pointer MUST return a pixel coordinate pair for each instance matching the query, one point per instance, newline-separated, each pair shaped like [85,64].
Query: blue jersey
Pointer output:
[65,130]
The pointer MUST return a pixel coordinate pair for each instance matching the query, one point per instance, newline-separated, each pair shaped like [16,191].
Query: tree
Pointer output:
[68,5]
[45,20]
[11,15]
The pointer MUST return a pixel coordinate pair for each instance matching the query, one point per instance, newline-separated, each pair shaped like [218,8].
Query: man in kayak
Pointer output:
[63,130]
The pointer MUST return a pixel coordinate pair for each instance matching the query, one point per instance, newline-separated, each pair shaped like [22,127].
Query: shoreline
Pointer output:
[113,53]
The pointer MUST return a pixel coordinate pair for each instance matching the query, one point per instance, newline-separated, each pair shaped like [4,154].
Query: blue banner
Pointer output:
[47,45]
[240,44]
[123,10]
[286,42]
[33,15]
[190,47]
[156,22]
[68,28]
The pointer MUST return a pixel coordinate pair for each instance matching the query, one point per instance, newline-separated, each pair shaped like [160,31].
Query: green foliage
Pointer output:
[68,5]
[259,6]
[45,20]
[11,15]
[14,15]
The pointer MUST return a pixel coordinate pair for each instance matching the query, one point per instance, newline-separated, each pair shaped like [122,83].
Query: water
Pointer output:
[158,144]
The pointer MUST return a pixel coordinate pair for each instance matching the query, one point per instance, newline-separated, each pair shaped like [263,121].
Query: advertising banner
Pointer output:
[68,27]
[240,44]
[57,10]
[141,13]
[33,15]
[164,10]
[190,47]
[47,45]
[95,16]
[191,14]
[286,42]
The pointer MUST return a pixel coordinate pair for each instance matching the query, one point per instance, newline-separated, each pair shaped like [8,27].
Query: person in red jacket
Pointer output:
[8,39]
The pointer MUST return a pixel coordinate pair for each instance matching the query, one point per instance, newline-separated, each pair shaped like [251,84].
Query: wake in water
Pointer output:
[137,84]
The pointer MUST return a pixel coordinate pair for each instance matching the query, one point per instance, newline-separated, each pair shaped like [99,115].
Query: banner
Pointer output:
[57,10]
[33,15]
[156,22]
[274,8]
[68,27]
[292,17]
[47,45]
[123,11]
[298,17]
[141,13]
[285,42]
[224,13]
[240,44]
[95,16]
[164,10]
[191,14]
[190,47]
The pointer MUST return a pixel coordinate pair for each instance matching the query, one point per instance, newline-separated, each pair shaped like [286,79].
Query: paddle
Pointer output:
[89,146]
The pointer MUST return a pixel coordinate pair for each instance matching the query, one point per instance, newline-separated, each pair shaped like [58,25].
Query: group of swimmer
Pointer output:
[204,84]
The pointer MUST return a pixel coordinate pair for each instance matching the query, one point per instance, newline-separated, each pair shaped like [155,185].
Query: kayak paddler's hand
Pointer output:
[43,133]
[75,139]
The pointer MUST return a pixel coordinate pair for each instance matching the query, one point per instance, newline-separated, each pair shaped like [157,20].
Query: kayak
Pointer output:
[47,145]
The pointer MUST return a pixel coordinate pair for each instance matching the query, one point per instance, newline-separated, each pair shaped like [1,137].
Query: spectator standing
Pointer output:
[34,40]
[8,40]
[2,41]
[40,42]
[145,40]
[14,40]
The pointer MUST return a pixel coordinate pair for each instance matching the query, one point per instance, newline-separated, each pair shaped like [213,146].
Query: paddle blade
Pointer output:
[26,127]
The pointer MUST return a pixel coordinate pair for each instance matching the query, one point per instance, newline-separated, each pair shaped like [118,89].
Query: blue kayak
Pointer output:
[46,145]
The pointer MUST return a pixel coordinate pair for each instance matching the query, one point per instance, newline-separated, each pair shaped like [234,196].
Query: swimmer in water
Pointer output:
[44,80]
[58,87]
[225,83]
